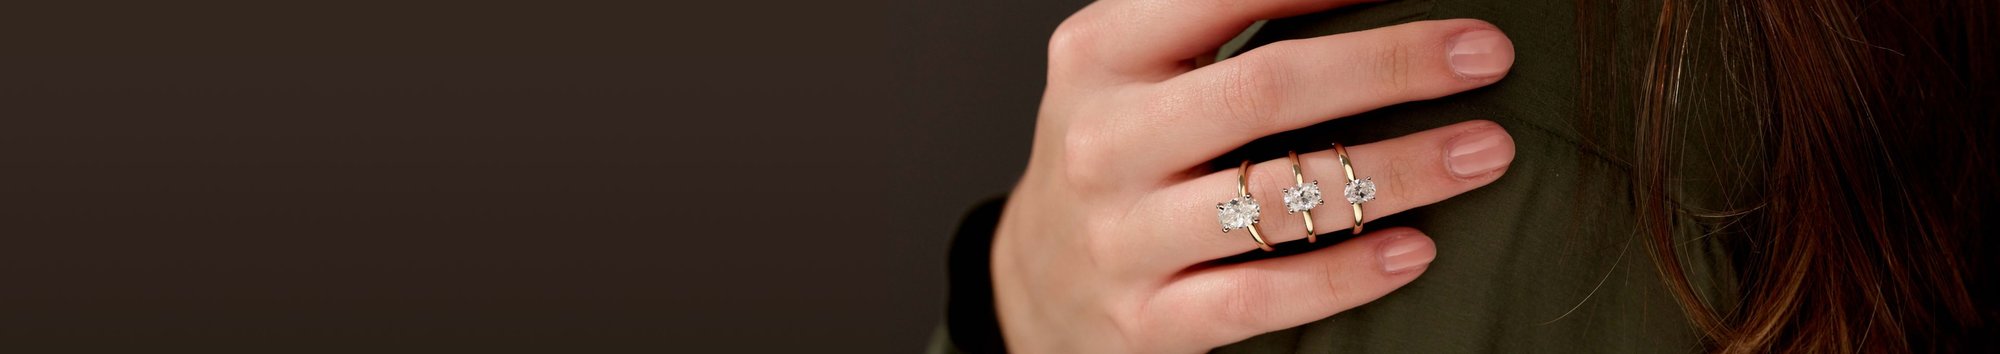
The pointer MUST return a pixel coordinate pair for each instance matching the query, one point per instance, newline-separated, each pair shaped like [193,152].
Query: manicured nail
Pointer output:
[1481,54]
[1479,152]
[1407,251]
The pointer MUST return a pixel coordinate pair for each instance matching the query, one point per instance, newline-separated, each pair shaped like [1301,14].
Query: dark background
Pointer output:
[561,176]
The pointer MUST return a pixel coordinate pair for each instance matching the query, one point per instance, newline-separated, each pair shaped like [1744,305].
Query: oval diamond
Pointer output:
[1360,190]
[1237,213]
[1302,197]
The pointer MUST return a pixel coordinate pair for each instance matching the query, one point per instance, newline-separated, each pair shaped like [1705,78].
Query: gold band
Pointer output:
[1243,190]
[1348,166]
[1299,177]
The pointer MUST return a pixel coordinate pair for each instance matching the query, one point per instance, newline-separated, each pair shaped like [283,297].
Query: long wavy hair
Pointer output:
[1870,172]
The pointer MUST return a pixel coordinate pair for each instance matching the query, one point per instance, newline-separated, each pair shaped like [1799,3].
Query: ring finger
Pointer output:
[1408,172]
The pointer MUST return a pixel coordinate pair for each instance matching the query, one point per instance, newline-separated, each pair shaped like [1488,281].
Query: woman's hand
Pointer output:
[1105,245]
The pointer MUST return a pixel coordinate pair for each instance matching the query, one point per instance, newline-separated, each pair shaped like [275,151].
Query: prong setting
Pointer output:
[1360,190]
[1303,197]
[1237,213]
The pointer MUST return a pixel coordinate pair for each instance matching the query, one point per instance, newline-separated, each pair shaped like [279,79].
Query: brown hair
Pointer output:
[1869,174]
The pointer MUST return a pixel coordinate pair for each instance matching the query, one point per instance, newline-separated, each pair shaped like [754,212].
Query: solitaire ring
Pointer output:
[1358,190]
[1302,197]
[1242,212]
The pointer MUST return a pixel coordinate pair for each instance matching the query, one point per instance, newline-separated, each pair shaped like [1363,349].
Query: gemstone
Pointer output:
[1302,197]
[1360,190]
[1237,213]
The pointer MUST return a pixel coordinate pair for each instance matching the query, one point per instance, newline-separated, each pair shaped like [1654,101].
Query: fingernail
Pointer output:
[1479,152]
[1480,54]
[1406,252]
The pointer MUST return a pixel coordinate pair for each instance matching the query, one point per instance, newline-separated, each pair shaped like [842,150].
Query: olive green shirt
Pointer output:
[1546,259]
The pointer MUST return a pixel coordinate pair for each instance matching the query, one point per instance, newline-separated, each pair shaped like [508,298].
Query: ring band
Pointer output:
[1358,190]
[1302,197]
[1242,211]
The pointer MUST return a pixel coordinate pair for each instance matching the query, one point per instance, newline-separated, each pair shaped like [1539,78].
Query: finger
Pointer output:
[1408,172]
[1232,302]
[1293,84]
[1158,37]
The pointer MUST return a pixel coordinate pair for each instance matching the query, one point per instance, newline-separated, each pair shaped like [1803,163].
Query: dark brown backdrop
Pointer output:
[760,176]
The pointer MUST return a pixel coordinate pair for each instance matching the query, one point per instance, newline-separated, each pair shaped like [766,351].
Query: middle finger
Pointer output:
[1288,85]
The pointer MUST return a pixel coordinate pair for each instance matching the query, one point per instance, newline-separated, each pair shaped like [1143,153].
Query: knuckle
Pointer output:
[1392,69]
[1274,175]
[1397,177]
[1243,309]
[1249,90]
[1409,178]
[1071,38]
[1339,290]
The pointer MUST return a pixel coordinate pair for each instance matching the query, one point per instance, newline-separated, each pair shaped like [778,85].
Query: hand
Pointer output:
[1106,243]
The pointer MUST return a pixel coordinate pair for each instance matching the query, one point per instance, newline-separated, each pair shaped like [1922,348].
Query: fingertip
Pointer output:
[1480,53]
[1405,251]
[1482,149]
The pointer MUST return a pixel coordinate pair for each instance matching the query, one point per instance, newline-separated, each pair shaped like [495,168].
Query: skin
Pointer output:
[1107,243]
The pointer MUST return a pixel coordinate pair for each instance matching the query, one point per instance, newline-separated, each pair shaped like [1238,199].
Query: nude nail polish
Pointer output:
[1479,152]
[1480,54]
[1406,252]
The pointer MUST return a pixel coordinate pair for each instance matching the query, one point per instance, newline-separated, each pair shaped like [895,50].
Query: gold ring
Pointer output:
[1358,190]
[1302,197]
[1242,211]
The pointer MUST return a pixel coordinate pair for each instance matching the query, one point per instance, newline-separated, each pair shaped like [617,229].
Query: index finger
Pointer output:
[1156,38]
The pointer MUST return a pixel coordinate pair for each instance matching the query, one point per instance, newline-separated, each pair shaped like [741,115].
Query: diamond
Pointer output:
[1237,213]
[1302,197]
[1360,190]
